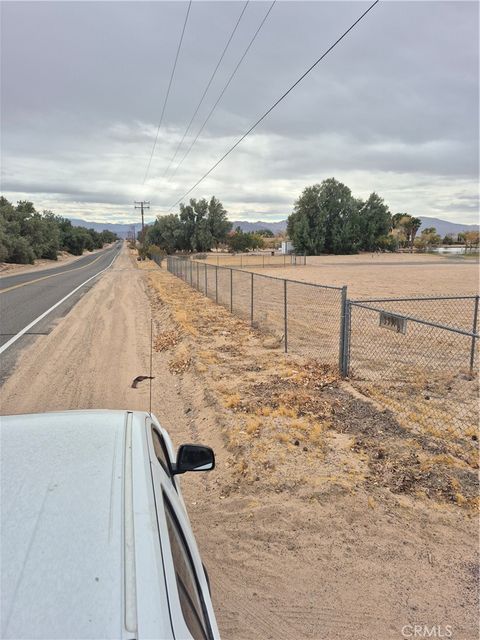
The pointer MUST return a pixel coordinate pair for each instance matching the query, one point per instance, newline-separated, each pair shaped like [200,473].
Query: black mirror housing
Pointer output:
[194,457]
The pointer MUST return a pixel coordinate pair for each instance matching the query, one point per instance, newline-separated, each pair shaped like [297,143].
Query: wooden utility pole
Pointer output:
[143,205]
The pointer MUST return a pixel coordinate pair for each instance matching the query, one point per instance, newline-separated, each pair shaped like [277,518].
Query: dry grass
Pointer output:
[233,401]
[287,419]
[181,360]
[166,340]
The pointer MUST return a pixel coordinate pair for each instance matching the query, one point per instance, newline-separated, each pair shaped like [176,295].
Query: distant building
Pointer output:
[287,247]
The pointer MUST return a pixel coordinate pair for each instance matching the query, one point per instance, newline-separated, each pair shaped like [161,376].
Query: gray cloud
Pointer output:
[393,109]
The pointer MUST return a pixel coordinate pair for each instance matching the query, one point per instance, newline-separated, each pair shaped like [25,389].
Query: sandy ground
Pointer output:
[388,275]
[423,374]
[323,518]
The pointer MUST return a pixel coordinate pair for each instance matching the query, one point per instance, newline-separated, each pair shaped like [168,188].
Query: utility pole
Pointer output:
[143,205]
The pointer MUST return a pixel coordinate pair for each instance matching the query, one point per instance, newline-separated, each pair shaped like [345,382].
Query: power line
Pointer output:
[282,97]
[224,89]
[207,87]
[168,90]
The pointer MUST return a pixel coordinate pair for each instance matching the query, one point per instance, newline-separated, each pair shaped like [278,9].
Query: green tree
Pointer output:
[409,225]
[325,219]
[306,225]
[375,222]
[26,234]
[471,239]
[387,243]
[428,238]
[73,242]
[188,218]
[20,250]
[265,233]
[218,223]
[202,239]
[108,237]
[239,241]
[166,233]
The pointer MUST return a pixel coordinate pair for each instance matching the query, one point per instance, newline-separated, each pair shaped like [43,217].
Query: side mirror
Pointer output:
[193,457]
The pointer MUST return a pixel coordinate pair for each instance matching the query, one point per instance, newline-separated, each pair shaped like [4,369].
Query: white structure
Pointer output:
[287,247]
[95,538]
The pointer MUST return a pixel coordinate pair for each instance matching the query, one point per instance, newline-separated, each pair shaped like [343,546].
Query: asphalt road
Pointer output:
[24,297]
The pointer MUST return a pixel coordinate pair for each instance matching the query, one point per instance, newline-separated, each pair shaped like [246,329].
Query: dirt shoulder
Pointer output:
[323,518]
[322,508]
[91,357]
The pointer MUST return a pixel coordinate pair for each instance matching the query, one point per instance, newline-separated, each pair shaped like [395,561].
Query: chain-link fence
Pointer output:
[417,356]
[243,260]
[300,317]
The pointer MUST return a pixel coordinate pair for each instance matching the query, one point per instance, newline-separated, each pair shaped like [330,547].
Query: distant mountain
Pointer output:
[122,230]
[444,227]
[275,227]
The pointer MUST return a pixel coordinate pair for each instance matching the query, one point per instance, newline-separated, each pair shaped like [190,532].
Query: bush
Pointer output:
[155,253]
[20,251]
[387,243]
[4,252]
[239,241]
[26,234]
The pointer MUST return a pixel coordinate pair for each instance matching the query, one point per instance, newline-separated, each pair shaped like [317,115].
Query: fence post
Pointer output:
[231,290]
[474,331]
[346,348]
[198,287]
[240,261]
[216,285]
[343,319]
[251,301]
[285,315]
[206,280]
[263,265]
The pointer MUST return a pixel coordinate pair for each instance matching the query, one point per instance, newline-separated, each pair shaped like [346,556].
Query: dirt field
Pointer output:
[324,517]
[388,275]
[424,374]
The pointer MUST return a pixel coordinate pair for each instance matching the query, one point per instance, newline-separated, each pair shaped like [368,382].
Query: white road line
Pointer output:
[9,343]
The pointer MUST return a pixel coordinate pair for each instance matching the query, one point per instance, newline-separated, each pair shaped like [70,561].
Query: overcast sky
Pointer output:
[393,109]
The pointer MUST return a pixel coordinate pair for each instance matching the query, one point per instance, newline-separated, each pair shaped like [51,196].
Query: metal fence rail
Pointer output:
[460,312]
[417,356]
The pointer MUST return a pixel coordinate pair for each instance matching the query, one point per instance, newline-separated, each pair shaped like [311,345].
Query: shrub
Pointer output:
[20,251]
